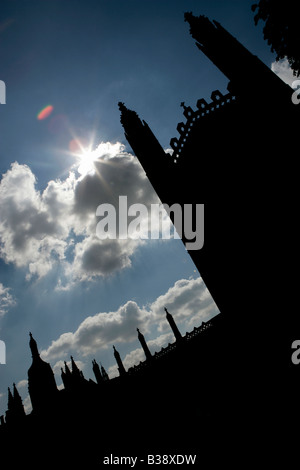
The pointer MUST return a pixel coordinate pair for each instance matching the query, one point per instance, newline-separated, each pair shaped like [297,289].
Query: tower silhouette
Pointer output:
[97,372]
[177,334]
[144,345]
[41,382]
[121,367]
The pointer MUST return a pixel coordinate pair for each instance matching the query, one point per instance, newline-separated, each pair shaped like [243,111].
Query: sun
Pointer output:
[85,156]
[87,162]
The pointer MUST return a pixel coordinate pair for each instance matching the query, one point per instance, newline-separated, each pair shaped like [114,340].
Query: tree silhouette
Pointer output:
[281,30]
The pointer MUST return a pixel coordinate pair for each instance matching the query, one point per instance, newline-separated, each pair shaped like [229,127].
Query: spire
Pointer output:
[128,117]
[67,370]
[97,372]
[66,375]
[76,372]
[15,410]
[173,325]
[121,367]
[104,373]
[41,382]
[75,369]
[143,142]
[218,45]
[144,345]
[231,57]
[10,400]
[16,393]
[33,347]
[18,405]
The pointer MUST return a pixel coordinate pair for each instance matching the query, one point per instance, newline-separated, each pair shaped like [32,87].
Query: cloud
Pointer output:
[7,300]
[188,300]
[22,383]
[31,234]
[43,229]
[94,257]
[99,332]
[27,404]
[283,70]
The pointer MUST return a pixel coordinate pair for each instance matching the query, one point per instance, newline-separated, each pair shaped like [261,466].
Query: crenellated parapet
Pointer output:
[194,118]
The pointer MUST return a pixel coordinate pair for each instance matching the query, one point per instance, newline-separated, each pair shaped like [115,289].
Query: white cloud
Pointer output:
[188,300]
[31,234]
[57,225]
[7,300]
[22,383]
[27,404]
[283,70]
[99,331]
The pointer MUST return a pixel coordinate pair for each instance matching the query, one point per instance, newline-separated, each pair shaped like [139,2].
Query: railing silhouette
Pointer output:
[218,102]
[171,347]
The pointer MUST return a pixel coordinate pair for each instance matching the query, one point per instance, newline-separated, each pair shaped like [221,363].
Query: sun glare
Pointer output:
[86,162]
[84,155]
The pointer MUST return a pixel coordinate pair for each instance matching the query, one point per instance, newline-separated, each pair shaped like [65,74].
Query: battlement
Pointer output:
[195,118]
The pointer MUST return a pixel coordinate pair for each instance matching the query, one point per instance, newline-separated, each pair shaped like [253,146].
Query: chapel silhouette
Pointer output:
[206,389]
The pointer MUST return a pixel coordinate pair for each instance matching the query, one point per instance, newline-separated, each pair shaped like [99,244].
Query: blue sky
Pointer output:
[76,294]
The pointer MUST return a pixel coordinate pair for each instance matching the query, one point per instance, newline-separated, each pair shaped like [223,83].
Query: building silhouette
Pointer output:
[207,389]
[73,413]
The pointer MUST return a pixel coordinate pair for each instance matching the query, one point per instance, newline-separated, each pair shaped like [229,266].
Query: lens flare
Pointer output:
[45,112]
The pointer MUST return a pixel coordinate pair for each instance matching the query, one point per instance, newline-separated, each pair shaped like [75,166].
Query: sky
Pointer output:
[78,294]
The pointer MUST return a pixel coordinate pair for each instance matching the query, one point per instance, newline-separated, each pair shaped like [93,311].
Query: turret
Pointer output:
[75,370]
[145,146]
[41,382]
[144,345]
[97,372]
[104,373]
[173,325]
[33,347]
[121,367]
[246,72]
[15,410]
[18,405]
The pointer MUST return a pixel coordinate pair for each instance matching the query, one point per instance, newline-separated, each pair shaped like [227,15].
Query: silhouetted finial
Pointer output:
[33,346]
[201,28]
[122,106]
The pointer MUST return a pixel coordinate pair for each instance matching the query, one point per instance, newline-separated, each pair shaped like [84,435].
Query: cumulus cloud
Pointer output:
[283,70]
[188,300]
[40,229]
[31,234]
[22,384]
[99,331]
[7,300]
